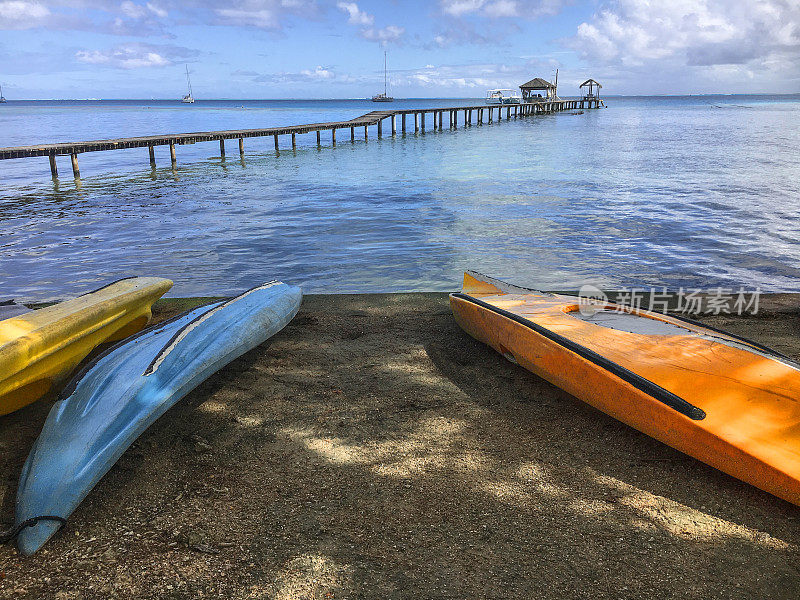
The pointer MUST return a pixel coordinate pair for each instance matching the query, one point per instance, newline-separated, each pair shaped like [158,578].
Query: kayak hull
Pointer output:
[731,408]
[117,397]
[41,347]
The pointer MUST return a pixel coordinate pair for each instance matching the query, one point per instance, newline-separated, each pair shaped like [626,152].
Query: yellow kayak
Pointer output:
[42,346]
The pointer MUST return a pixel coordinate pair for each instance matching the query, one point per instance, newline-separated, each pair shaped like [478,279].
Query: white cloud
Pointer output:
[132,10]
[692,31]
[356,15]
[22,14]
[135,56]
[463,32]
[140,11]
[526,9]
[157,10]
[143,17]
[320,73]
[264,14]
[473,78]
[724,41]
[391,33]
[458,8]
[264,18]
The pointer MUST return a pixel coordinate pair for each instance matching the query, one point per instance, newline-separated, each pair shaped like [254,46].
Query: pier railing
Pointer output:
[483,114]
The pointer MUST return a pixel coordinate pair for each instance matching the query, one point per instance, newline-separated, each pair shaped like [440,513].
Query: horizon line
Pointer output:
[171,99]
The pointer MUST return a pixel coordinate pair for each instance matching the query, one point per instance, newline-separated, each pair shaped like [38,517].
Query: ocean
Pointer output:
[697,192]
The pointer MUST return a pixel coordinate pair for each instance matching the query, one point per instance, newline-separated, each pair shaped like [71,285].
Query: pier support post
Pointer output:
[333,137]
[75,170]
[152,151]
[455,118]
[422,122]
[172,157]
[294,141]
[491,110]
[403,122]
[241,146]
[394,125]
[466,118]
[53,166]
[441,118]
[319,139]
[222,148]
[366,133]
[380,128]
[416,122]
[352,134]
[276,142]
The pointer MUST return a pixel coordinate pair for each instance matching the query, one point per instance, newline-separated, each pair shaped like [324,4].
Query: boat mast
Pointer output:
[556,84]
[188,81]
[385,89]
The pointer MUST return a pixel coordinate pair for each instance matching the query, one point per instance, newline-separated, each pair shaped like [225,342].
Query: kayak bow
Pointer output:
[40,347]
[720,398]
[117,397]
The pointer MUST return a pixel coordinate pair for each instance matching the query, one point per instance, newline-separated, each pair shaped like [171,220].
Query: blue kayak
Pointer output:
[119,395]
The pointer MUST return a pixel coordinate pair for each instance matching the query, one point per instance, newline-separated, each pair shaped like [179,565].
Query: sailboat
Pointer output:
[188,98]
[384,97]
[2,98]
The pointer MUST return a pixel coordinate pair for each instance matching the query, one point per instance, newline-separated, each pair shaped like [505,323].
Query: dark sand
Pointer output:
[374,450]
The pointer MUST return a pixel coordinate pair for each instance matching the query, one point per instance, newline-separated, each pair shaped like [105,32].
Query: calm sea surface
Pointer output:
[693,192]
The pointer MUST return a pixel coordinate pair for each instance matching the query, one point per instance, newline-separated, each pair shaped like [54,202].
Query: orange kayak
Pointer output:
[722,399]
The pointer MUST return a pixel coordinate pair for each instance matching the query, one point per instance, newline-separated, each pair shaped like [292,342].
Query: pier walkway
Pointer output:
[419,119]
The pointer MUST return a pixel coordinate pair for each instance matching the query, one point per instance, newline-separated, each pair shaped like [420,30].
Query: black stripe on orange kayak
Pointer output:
[653,390]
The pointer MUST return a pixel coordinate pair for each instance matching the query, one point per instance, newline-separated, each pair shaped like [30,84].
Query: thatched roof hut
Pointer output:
[594,88]
[537,84]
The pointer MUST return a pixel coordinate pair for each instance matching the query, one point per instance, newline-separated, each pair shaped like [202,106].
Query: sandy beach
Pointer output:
[374,450]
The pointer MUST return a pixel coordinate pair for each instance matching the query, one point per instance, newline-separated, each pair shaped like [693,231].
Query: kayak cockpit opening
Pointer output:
[627,321]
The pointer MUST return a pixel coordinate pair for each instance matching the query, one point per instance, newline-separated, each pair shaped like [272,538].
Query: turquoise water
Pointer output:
[694,192]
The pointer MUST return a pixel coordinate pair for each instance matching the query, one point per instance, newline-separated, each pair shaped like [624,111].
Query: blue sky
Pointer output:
[439,48]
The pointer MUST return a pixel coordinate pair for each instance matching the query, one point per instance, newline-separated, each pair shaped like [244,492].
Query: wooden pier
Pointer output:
[423,120]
